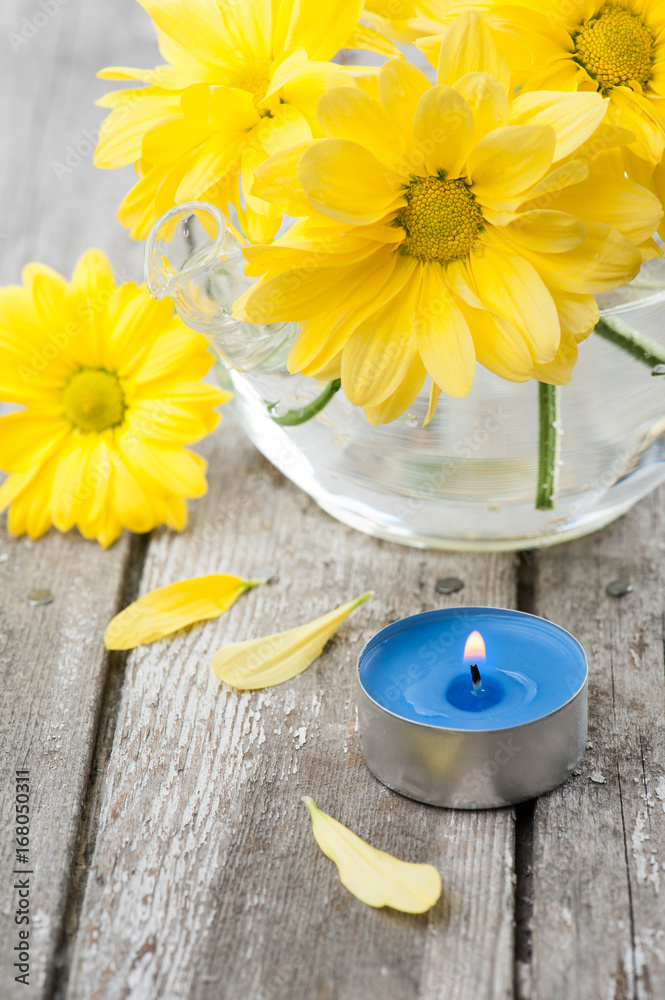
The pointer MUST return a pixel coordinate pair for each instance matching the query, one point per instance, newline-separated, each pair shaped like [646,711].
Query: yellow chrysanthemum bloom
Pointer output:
[243,81]
[613,47]
[441,226]
[109,379]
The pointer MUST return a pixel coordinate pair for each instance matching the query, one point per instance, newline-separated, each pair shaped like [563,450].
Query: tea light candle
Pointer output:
[472,707]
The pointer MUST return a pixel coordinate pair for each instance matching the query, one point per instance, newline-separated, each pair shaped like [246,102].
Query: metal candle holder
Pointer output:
[480,767]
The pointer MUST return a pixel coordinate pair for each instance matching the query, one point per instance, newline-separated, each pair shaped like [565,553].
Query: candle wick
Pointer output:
[475,678]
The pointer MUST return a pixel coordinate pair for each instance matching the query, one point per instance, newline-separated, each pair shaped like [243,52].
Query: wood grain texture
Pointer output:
[206,879]
[599,847]
[53,670]
[52,663]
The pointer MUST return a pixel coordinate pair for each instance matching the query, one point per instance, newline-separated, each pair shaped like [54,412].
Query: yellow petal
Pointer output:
[401,86]
[637,113]
[285,127]
[261,663]
[199,29]
[380,351]
[559,371]
[348,113]
[551,232]
[604,261]
[322,339]
[171,608]
[372,41]
[121,135]
[276,181]
[487,100]
[510,160]
[298,295]
[443,130]
[511,287]
[499,346]
[434,394]
[614,200]
[372,876]
[444,341]
[468,48]
[578,314]
[345,182]
[401,399]
[541,195]
[574,117]
[321,27]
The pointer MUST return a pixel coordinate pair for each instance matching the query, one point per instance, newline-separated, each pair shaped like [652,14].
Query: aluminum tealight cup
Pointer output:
[472,768]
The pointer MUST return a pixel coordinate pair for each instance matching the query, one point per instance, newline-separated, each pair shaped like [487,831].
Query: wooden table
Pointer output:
[172,856]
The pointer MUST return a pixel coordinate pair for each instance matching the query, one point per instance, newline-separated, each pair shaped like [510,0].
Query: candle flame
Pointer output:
[475,647]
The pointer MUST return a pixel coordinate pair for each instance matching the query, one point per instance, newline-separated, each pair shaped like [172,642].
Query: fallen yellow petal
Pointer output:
[374,877]
[171,608]
[261,663]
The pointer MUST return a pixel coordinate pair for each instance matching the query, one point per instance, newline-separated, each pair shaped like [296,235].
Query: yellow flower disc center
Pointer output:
[442,219]
[255,78]
[93,400]
[616,48]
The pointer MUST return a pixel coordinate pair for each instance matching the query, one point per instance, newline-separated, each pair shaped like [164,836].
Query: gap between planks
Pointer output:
[91,806]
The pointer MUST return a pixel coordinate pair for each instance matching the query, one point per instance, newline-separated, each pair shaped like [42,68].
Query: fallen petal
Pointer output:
[171,608]
[374,877]
[261,663]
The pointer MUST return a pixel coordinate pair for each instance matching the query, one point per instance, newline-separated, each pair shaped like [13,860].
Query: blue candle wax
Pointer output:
[417,670]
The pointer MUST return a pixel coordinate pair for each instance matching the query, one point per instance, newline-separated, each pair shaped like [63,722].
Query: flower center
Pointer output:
[93,400]
[442,219]
[615,48]
[255,78]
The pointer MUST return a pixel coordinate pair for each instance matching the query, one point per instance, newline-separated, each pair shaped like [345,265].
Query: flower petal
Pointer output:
[559,370]
[443,130]
[261,663]
[349,113]
[173,607]
[380,351]
[468,47]
[401,86]
[275,180]
[603,262]
[549,231]
[487,100]
[372,876]
[401,399]
[321,27]
[510,286]
[434,394]
[574,117]
[616,201]
[443,337]
[510,160]
[345,182]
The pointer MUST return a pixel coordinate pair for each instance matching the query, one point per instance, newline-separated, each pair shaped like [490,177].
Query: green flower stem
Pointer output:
[294,417]
[635,344]
[548,413]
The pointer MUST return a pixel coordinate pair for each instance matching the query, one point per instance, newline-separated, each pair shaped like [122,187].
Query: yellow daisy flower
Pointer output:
[441,226]
[109,379]
[612,47]
[242,82]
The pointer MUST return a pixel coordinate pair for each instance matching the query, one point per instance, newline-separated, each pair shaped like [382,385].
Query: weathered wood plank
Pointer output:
[599,847]
[205,878]
[52,663]
[55,202]
[53,669]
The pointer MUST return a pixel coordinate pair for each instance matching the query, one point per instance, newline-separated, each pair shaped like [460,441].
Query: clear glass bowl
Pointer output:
[466,481]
